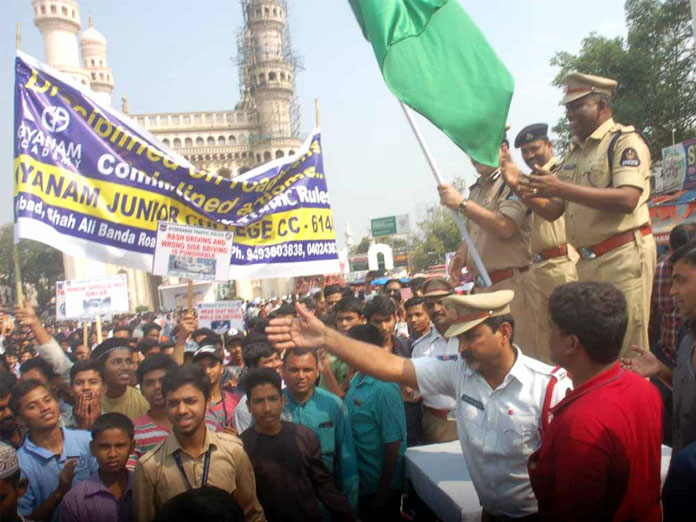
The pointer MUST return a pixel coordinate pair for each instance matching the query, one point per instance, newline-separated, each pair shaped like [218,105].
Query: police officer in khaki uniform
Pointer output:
[500,227]
[603,188]
[554,258]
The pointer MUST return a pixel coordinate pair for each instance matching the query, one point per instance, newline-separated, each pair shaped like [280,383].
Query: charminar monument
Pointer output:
[262,126]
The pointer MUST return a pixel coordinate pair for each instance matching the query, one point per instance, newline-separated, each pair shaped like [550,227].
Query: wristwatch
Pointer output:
[462,207]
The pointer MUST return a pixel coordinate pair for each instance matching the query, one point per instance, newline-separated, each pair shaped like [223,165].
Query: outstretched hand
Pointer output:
[644,363]
[303,331]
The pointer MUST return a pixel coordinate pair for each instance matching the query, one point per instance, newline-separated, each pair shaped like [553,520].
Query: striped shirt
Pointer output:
[149,433]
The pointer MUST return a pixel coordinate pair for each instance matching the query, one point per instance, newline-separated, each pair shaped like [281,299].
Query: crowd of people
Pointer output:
[306,414]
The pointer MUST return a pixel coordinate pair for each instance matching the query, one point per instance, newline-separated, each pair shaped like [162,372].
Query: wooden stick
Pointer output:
[18,40]
[18,275]
[99,330]
[85,334]
[190,296]
[317,112]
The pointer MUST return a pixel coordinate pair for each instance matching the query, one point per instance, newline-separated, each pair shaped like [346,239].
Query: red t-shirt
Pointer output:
[600,456]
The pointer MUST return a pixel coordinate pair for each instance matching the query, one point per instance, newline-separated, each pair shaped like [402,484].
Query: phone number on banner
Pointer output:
[292,251]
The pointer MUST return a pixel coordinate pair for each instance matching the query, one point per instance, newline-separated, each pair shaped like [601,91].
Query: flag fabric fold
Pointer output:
[436,60]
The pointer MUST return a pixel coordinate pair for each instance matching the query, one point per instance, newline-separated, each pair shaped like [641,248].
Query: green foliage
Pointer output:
[437,234]
[41,265]
[654,66]
[142,308]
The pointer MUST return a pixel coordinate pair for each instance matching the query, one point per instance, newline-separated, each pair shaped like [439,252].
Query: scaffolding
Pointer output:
[250,56]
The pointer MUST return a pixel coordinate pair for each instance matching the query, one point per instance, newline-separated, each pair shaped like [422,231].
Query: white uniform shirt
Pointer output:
[433,344]
[498,429]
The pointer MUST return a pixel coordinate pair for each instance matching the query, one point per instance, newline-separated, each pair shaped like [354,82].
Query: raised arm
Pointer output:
[306,331]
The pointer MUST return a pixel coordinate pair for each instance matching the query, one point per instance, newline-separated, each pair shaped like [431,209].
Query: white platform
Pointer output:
[440,477]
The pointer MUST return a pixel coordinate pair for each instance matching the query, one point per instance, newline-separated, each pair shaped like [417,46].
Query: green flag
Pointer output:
[435,60]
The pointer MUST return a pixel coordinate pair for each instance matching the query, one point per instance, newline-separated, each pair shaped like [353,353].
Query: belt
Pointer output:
[499,275]
[550,253]
[612,243]
[442,414]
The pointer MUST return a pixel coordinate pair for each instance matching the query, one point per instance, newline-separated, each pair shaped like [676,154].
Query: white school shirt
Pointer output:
[498,429]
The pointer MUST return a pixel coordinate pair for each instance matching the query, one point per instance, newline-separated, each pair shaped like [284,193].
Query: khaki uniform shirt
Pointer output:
[497,253]
[548,234]
[157,478]
[587,164]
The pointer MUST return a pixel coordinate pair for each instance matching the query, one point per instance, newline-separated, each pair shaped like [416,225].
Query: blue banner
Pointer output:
[90,182]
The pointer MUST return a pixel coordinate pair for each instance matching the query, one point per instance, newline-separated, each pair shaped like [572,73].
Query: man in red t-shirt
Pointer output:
[600,455]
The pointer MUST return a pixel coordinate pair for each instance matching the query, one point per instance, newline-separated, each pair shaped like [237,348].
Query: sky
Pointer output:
[178,55]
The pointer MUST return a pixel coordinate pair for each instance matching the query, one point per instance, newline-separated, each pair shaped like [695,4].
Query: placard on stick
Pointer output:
[221,316]
[89,298]
[196,253]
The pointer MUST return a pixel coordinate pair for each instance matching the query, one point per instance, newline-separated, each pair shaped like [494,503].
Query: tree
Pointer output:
[41,265]
[437,234]
[655,67]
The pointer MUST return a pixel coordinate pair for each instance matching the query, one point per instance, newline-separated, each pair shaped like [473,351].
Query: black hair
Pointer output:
[394,280]
[366,333]
[347,292]
[157,361]
[86,365]
[595,313]
[309,303]
[332,289]
[21,389]
[167,344]
[349,304]
[112,421]
[203,331]
[123,328]
[414,301]
[285,309]
[416,283]
[148,327]
[252,352]
[381,305]
[299,352]
[7,382]
[494,323]
[37,363]
[204,503]
[145,345]
[686,252]
[681,235]
[186,374]
[259,376]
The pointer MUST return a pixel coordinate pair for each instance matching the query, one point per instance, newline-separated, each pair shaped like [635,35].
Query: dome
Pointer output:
[91,35]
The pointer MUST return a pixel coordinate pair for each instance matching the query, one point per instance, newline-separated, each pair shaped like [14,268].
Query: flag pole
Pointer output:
[438,177]
[15,247]
[317,112]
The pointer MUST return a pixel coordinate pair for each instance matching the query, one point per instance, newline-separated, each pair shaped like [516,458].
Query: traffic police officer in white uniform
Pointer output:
[503,397]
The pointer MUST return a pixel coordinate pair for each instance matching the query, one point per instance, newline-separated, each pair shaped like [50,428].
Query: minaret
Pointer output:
[271,77]
[59,23]
[101,79]
[350,242]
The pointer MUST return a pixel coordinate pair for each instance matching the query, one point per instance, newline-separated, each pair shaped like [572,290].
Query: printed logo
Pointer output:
[55,119]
